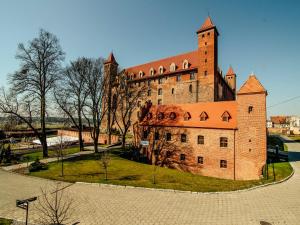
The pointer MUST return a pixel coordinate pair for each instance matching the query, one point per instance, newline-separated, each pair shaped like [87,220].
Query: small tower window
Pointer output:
[205,60]
[208,33]
[205,73]
[250,109]
[191,88]
[141,73]
[172,67]
[151,71]
[205,52]
[160,91]
[161,70]
[205,43]
[173,91]
[185,64]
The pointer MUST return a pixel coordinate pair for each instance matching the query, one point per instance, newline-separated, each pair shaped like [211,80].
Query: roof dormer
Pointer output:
[203,116]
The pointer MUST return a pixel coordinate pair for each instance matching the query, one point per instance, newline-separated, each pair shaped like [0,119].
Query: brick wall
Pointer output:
[251,136]
[103,138]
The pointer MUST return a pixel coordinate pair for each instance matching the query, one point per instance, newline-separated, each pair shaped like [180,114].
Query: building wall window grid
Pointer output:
[223,142]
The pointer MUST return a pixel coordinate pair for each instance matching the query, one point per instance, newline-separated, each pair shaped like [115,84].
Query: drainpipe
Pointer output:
[234,154]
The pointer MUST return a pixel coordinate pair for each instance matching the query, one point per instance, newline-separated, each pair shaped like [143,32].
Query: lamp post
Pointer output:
[24,204]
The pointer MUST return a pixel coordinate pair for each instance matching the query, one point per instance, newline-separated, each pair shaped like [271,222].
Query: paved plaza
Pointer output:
[100,204]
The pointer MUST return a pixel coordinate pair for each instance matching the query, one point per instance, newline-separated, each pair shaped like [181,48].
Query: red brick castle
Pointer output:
[197,121]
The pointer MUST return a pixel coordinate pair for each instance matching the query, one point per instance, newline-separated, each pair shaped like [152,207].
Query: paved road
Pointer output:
[276,204]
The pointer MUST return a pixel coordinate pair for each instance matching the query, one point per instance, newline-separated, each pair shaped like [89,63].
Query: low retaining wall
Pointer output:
[86,135]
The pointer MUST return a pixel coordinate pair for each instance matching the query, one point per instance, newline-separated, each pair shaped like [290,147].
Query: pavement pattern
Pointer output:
[115,205]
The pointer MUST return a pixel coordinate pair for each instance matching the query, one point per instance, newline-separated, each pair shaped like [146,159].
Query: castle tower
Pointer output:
[208,55]
[231,78]
[251,146]
[110,74]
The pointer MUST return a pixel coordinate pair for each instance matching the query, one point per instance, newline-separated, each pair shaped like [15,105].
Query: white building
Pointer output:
[295,125]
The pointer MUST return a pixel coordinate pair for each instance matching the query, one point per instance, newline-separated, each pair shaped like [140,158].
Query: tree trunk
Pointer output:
[96,145]
[43,127]
[80,129]
[123,141]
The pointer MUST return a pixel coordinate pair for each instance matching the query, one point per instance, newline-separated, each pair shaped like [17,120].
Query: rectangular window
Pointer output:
[173,91]
[168,136]
[178,78]
[160,91]
[200,159]
[145,134]
[200,140]
[223,163]
[223,141]
[192,76]
[183,137]
[149,82]
[149,92]
[156,136]
[182,157]
[159,101]
[160,80]
[205,73]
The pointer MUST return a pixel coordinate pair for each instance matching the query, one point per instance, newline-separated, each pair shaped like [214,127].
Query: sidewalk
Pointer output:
[48,160]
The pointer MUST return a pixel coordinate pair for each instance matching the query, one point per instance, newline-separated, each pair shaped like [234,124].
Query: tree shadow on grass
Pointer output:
[130,177]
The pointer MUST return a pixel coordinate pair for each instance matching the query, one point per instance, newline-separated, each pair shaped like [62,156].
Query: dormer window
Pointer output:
[152,72]
[160,115]
[203,116]
[185,64]
[172,67]
[187,116]
[172,115]
[161,70]
[226,116]
[141,73]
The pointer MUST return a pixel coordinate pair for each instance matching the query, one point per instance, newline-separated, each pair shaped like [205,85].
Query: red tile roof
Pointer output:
[230,71]
[251,86]
[279,119]
[192,58]
[206,25]
[214,111]
[110,58]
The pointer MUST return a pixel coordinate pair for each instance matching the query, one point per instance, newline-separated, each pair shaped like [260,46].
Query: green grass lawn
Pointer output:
[52,153]
[5,221]
[122,171]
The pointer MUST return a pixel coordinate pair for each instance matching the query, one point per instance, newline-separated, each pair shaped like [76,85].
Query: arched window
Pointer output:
[172,67]
[161,69]
[141,73]
[152,71]
[172,116]
[203,116]
[185,64]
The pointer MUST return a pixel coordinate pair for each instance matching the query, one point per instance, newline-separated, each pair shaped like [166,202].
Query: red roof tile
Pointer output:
[110,58]
[192,58]
[206,25]
[214,110]
[252,85]
[230,71]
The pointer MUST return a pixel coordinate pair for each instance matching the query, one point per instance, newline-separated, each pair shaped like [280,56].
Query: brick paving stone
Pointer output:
[110,205]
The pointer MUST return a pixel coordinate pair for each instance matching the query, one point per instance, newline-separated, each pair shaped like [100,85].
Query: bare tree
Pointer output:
[71,92]
[40,65]
[95,109]
[126,101]
[55,207]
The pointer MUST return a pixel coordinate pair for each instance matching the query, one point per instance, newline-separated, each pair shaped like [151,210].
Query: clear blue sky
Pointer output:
[257,36]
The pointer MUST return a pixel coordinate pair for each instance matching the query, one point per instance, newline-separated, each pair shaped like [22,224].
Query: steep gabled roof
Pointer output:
[230,71]
[251,86]
[208,24]
[111,59]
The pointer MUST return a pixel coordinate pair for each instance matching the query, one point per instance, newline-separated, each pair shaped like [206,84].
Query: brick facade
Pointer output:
[192,84]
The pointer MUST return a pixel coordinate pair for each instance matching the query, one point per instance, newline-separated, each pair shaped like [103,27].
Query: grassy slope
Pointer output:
[125,172]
